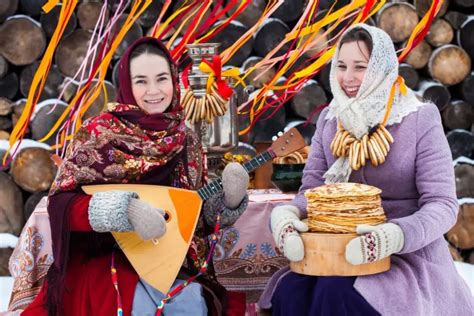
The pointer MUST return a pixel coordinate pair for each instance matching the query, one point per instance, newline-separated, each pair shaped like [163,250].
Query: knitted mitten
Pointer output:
[285,225]
[216,204]
[235,181]
[376,243]
[108,211]
[121,211]
[147,221]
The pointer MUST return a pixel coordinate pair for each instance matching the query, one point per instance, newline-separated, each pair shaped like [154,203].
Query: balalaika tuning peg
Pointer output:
[274,138]
[280,134]
[286,129]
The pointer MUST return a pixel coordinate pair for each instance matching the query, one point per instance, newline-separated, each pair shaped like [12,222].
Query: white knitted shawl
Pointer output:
[367,109]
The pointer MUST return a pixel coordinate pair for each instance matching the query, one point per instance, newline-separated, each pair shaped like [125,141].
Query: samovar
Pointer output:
[221,135]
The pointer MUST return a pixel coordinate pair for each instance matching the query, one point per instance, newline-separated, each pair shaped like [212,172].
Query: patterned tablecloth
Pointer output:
[246,256]
[31,258]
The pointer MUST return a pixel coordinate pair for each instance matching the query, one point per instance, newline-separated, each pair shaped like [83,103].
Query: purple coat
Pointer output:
[418,194]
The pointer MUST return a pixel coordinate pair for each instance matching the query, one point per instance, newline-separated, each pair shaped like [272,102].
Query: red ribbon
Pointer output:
[422,33]
[222,87]
[367,8]
[185,76]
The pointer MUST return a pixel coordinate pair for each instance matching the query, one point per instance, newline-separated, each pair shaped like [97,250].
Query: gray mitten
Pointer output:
[148,221]
[108,211]
[121,211]
[235,181]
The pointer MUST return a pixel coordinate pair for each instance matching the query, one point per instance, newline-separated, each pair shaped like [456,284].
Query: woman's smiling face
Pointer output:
[352,63]
[152,85]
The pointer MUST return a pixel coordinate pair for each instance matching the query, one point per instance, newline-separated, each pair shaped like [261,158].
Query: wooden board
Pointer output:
[325,256]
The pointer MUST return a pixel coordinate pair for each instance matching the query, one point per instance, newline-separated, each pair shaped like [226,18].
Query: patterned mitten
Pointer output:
[285,225]
[376,243]
[235,181]
[147,221]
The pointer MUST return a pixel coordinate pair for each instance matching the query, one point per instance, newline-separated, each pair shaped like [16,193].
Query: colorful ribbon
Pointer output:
[421,29]
[39,79]
[403,89]
[214,69]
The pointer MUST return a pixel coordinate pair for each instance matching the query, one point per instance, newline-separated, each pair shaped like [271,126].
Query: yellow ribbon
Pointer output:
[178,30]
[47,7]
[324,59]
[403,89]
[39,78]
[421,25]
[233,72]
[157,31]
[230,51]
[135,12]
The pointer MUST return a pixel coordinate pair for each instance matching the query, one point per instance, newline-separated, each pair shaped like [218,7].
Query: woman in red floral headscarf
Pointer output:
[141,139]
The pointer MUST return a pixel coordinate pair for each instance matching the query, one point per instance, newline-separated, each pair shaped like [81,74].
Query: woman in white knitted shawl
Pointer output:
[416,176]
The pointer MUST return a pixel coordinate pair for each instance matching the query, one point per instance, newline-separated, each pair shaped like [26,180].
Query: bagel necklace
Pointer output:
[373,146]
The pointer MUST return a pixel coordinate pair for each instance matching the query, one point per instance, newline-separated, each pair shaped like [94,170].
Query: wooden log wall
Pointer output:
[439,69]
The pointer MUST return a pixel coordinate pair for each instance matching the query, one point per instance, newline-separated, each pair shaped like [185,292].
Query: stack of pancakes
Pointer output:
[340,207]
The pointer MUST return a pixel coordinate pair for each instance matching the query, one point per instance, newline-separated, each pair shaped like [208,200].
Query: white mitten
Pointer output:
[285,224]
[377,242]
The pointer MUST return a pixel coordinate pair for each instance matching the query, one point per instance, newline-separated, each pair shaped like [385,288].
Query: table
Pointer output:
[246,256]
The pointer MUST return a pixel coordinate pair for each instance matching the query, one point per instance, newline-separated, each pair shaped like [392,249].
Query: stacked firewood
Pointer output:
[440,69]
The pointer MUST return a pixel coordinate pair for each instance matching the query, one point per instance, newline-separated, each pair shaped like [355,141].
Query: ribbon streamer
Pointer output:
[39,79]
[214,69]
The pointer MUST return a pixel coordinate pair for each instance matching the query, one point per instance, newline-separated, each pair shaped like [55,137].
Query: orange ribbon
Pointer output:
[215,68]
[403,89]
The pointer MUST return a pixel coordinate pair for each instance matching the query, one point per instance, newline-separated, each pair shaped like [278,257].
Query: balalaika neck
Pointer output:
[216,185]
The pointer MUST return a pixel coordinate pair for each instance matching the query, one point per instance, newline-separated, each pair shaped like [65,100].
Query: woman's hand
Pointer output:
[285,225]
[122,211]
[147,221]
[232,201]
[235,181]
[376,243]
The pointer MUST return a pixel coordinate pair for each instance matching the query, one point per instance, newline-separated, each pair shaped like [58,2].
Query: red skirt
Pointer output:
[89,287]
